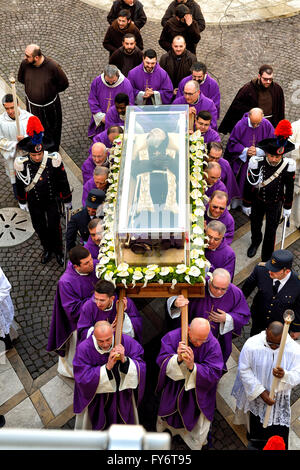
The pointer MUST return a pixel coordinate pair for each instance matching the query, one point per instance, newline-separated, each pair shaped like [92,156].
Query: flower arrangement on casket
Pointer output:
[130,276]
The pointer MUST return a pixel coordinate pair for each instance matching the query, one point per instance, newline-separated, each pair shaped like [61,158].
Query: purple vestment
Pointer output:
[232,302]
[243,136]
[222,257]
[217,186]
[73,290]
[228,178]
[88,185]
[211,136]
[158,80]
[103,138]
[91,313]
[227,220]
[92,247]
[209,88]
[113,118]
[203,104]
[102,97]
[105,408]
[181,408]
[88,166]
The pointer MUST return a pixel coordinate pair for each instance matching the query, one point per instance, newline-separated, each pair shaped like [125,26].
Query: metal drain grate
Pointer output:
[15,226]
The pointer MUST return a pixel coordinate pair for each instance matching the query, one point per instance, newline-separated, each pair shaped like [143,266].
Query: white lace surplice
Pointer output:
[254,375]
[6,305]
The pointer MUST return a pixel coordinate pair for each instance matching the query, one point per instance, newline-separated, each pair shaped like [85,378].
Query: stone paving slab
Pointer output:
[80,28]
[226,11]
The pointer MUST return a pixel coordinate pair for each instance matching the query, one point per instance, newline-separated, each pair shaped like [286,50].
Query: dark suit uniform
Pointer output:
[42,201]
[266,306]
[78,223]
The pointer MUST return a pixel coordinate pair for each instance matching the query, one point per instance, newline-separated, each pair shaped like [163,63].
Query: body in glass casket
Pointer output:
[152,212]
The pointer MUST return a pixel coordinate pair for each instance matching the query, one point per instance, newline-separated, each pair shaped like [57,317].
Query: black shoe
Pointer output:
[8,342]
[46,257]
[59,258]
[2,421]
[252,251]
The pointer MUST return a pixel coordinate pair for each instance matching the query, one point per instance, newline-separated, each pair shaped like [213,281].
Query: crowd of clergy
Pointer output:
[111,379]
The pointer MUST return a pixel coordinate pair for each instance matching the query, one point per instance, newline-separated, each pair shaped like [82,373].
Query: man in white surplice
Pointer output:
[8,135]
[256,370]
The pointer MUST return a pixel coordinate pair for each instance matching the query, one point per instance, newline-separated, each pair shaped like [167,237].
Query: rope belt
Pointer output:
[40,105]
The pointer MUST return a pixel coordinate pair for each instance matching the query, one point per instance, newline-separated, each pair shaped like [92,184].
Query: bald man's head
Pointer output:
[33,54]
[256,115]
[198,331]
[103,334]
[99,153]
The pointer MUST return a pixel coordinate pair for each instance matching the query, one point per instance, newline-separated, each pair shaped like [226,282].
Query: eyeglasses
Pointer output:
[222,289]
[218,207]
[189,94]
[267,79]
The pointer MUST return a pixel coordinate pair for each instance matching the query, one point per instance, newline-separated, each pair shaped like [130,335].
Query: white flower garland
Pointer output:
[131,275]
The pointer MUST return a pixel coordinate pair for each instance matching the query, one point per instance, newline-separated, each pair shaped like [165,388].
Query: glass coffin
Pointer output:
[152,218]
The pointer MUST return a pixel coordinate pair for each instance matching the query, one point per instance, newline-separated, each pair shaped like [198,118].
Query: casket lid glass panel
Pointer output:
[152,216]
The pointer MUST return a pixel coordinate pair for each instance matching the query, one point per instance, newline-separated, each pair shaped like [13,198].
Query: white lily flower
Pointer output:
[198,241]
[104,260]
[109,275]
[122,267]
[194,271]
[123,273]
[180,268]
[164,271]
[137,275]
[198,230]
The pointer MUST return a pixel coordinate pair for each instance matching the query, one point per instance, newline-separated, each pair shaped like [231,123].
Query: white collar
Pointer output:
[102,351]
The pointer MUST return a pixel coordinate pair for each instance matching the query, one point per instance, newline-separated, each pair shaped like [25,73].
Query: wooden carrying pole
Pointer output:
[13,90]
[288,317]
[184,319]
[191,122]
[120,317]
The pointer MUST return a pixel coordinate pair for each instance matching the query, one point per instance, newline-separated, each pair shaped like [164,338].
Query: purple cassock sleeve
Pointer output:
[223,257]
[72,292]
[90,314]
[105,409]
[87,169]
[179,407]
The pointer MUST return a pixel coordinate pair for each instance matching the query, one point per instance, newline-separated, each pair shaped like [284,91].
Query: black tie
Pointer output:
[275,287]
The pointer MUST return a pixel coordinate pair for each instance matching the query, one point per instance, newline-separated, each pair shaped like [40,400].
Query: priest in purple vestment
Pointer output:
[116,113]
[224,306]
[217,252]
[103,306]
[98,157]
[197,101]
[74,288]
[208,85]
[242,143]
[151,84]
[103,90]
[202,124]
[108,389]
[99,180]
[213,179]
[107,136]
[216,209]
[95,227]
[188,379]
[214,153]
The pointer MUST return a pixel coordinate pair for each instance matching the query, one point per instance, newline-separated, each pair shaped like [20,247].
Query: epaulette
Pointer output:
[75,211]
[292,165]
[262,263]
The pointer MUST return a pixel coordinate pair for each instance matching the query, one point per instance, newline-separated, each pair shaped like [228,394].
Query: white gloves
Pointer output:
[24,207]
[68,205]
[286,212]
[246,210]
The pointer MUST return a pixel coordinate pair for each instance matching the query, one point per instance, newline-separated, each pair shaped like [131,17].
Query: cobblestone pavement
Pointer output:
[72,32]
